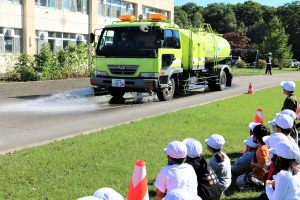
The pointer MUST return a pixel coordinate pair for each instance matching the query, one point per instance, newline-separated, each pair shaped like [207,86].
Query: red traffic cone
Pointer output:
[259,116]
[298,111]
[250,89]
[138,189]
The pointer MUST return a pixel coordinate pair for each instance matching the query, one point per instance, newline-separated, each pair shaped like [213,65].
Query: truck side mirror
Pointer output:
[92,37]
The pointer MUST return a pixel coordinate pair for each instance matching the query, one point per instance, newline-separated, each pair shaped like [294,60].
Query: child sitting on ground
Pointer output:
[219,161]
[254,179]
[208,184]
[243,163]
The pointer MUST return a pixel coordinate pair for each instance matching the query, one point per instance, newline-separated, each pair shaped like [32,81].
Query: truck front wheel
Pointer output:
[167,93]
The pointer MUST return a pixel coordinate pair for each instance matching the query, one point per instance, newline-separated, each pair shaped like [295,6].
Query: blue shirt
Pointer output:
[246,158]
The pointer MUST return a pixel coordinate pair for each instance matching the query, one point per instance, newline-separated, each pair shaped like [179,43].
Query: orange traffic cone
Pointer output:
[259,116]
[250,89]
[138,189]
[298,111]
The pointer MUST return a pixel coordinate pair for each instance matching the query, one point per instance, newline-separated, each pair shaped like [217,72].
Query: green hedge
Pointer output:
[47,65]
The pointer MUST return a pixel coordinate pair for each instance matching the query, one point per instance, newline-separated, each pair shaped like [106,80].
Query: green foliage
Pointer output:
[221,17]
[284,63]
[48,65]
[276,41]
[289,15]
[249,13]
[194,14]
[24,70]
[261,64]
[241,64]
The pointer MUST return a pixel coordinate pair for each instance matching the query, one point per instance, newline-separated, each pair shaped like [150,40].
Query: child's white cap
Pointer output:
[289,112]
[176,149]
[194,147]
[288,85]
[286,149]
[284,121]
[273,139]
[215,141]
[107,194]
[249,142]
[252,125]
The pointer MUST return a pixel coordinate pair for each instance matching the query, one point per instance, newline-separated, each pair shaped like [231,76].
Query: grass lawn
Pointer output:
[251,71]
[77,167]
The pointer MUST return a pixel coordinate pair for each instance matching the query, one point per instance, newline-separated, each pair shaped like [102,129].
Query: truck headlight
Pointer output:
[149,75]
[99,74]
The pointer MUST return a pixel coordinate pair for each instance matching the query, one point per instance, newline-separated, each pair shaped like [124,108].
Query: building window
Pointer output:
[47,3]
[15,1]
[58,40]
[10,40]
[148,10]
[114,8]
[76,6]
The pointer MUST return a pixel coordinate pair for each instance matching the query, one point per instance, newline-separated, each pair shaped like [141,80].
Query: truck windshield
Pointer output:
[128,42]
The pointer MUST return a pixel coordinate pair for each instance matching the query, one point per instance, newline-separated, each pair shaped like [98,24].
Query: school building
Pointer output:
[25,25]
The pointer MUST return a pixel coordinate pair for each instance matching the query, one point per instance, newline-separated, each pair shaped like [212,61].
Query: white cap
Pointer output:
[252,125]
[272,122]
[194,147]
[249,142]
[273,139]
[286,149]
[215,141]
[284,121]
[107,194]
[288,85]
[176,149]
[181,194]
[88,198]
[289,112]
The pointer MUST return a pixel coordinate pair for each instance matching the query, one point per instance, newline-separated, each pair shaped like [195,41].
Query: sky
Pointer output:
[204,3]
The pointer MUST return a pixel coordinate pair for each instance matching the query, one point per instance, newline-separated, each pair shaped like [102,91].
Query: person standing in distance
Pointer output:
[269,64]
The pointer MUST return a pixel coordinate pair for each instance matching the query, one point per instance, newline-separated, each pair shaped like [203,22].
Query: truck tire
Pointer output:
[116,92]
[214,86]
[222,81]
[167,93]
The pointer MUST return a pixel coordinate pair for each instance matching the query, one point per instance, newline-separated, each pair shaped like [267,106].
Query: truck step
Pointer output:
[193,87]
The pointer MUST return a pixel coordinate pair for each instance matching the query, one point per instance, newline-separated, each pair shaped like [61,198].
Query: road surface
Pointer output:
[37,113]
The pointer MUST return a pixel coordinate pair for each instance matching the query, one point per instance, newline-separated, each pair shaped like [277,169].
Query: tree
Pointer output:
[197,19]
[181,17]
[237,40]
[239,43]
[221,17]
[257,32]
[248,13]
[276,41]
[289,14]
[194,13]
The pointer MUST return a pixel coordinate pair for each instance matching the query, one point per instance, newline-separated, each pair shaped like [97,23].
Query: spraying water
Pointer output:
[69,101]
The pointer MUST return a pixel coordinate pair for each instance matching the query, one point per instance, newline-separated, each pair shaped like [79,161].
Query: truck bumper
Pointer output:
[130,84]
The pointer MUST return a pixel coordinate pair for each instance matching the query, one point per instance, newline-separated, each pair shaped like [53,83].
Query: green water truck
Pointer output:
[159,57]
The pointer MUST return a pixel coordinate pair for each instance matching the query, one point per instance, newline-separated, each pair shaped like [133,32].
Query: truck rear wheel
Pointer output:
[214,86]
[116,92]
[222,81]
[167,93]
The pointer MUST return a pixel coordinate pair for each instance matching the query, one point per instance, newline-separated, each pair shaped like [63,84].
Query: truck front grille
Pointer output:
[122,69]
